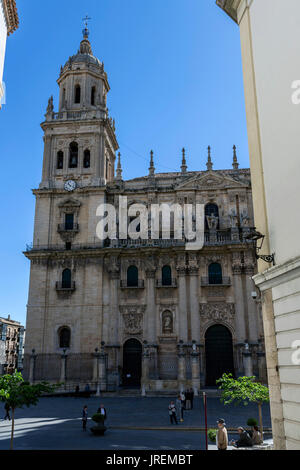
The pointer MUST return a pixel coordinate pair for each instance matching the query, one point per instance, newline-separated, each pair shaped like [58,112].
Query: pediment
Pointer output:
[69,203]
[210,180]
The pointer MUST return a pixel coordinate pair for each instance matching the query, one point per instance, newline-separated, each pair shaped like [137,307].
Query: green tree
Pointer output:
[244,390]
[16,393]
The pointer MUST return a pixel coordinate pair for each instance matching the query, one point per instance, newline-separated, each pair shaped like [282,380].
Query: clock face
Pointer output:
[70,185]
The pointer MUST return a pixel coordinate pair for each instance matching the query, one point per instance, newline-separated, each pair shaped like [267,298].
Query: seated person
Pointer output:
[256,437]
[244,439]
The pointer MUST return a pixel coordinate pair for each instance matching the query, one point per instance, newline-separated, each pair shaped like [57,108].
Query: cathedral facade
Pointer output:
[145,313]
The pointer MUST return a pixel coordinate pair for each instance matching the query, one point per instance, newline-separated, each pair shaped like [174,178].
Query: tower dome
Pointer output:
[83,82]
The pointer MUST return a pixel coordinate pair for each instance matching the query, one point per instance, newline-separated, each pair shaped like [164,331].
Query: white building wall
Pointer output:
[276,56]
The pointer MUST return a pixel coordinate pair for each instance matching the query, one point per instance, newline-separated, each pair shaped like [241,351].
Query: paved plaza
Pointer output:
[133,423]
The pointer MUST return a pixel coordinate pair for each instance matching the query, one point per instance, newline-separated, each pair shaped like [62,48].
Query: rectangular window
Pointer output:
[69,221]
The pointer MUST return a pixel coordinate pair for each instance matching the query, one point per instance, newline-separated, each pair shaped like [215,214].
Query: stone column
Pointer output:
[32,367]
[194,303]
[102,372]
[195,370]
[145,371]
[252,305]
[63,368]
[247,359]
[262,367]
[95,365]
[201,365]
[46,158]
[181,368]
[240,324]
[151,334]
[183,326]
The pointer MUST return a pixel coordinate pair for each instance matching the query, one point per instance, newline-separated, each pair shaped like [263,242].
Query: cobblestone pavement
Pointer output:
[55,423]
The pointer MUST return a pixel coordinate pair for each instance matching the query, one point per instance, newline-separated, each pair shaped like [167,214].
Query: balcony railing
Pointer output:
[216,238]
[68,228]
[139,285]
[60,286]
[160,283]
[206,281]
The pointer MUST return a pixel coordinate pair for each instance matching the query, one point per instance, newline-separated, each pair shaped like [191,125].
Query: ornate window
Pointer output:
[77,94]
[166,277]
[64,337]
[132,276]
[66,279]
[93,95]
[86,159]
[73,158]
[60,160]
[211,210]
[215,273]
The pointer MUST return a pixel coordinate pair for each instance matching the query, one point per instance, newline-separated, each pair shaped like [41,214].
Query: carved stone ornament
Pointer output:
[167,322]
[112,266]
[218,311]
[212,222]
[132,317]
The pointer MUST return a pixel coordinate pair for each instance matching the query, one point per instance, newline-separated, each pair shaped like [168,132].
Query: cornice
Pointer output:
[234,8]
[11,15]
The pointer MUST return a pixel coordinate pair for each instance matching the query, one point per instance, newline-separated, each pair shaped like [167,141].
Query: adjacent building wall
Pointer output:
[271,62]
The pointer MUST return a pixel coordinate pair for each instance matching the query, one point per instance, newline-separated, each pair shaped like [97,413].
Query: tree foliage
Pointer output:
[242,390]
[17,393]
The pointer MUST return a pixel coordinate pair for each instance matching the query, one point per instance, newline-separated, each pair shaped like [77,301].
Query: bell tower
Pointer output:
[80,141]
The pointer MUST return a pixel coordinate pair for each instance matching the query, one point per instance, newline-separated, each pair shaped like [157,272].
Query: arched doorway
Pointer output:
[218,353]
[132,363]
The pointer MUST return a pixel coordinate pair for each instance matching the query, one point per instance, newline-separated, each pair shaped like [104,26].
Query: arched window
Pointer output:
[215,273]
[66,279]
[211,209]
[93,95]
[166,276]
[73,159]
[64,337]
[132,276]
[60,160]
[87,159]
[77,94]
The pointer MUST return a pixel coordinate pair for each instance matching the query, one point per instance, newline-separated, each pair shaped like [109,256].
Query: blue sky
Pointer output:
[174,68]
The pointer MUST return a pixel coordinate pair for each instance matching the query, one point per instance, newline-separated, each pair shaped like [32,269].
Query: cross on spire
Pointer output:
[85,31]
[86,21]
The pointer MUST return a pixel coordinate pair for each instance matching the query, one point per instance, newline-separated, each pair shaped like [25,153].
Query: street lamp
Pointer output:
[255,236]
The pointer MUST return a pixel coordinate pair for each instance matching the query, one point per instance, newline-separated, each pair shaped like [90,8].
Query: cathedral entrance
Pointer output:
[132,363]
[218,353]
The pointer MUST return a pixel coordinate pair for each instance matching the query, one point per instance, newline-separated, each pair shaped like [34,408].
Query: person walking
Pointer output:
[7,409]
[172,413]
[180,407]
[188,400]
[183,399]
[222,436]
[192,398]
[87,391]
[84,417]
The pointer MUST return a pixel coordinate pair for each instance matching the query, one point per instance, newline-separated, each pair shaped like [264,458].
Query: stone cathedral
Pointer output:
[134,313]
